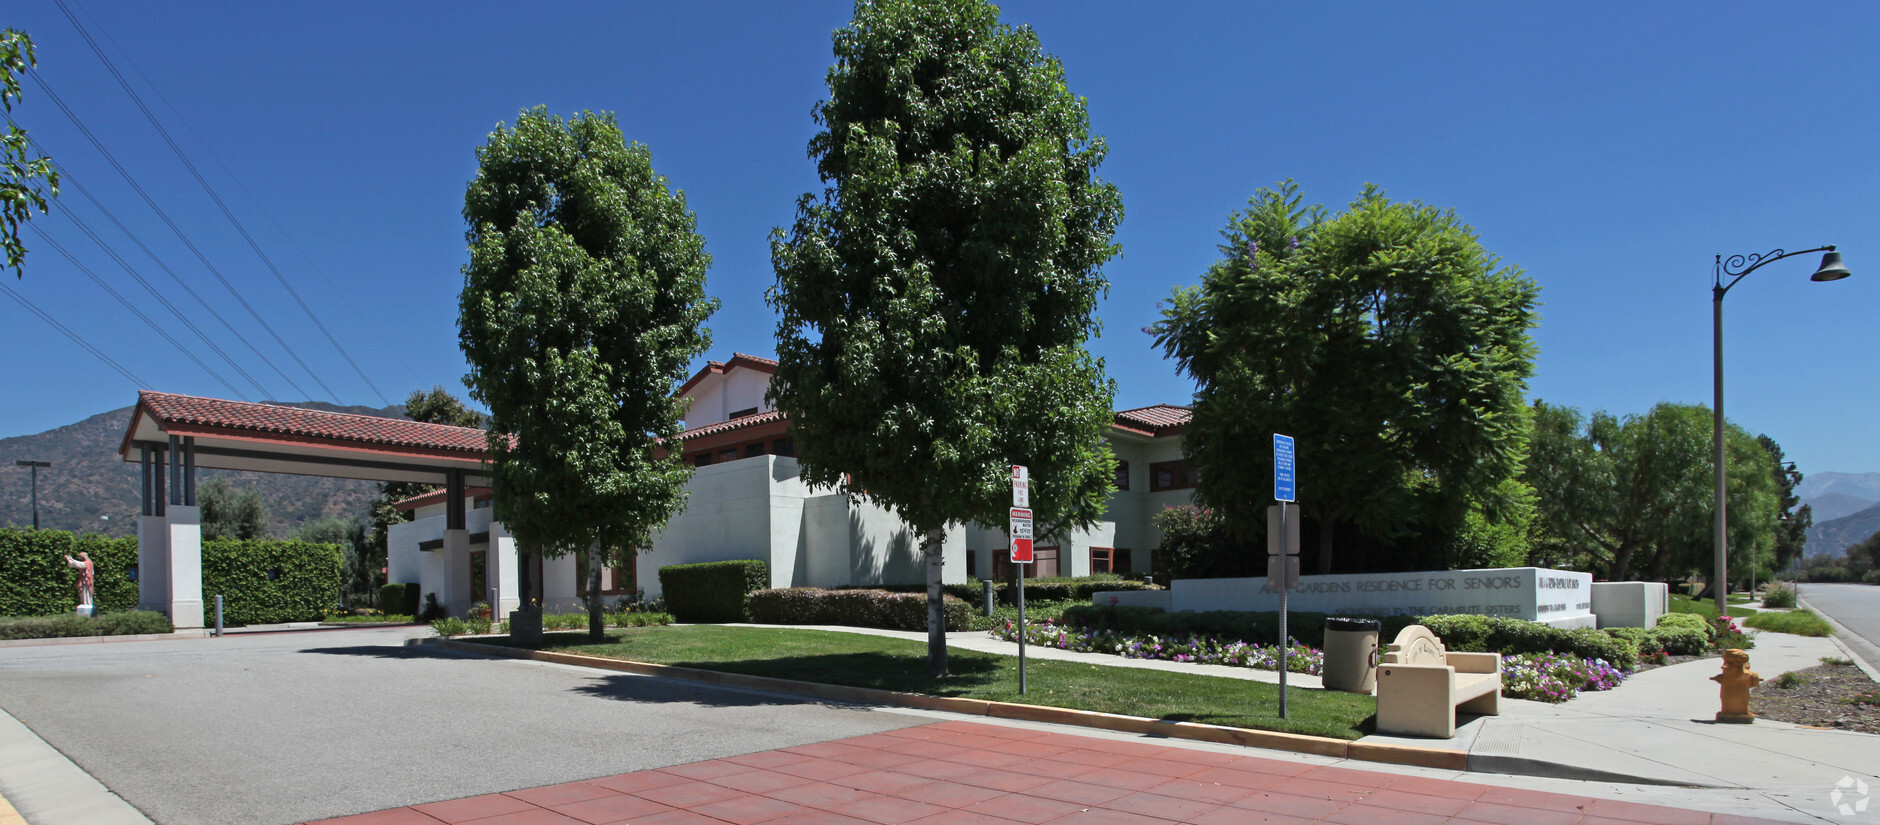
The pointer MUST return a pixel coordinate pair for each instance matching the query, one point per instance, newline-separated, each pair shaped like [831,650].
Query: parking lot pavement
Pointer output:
[284,728]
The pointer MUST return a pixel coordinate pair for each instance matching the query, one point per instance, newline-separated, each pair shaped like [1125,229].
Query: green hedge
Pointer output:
[105,624]
[399,598]
[713,591]
[1673,639]
[853,608]
[35,581]
[264,581]
[1458,632]
[1057,589]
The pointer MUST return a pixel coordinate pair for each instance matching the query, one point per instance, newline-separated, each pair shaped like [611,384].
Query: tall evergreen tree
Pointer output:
[1793,521]
[936,299]
[583,304]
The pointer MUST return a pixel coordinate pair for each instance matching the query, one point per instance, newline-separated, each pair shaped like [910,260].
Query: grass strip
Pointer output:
[1799,622]
[884,663]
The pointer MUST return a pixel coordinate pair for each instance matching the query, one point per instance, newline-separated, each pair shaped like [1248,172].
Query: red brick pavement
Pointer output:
[952,773]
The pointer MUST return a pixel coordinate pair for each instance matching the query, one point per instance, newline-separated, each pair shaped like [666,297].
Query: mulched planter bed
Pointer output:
[1821,701]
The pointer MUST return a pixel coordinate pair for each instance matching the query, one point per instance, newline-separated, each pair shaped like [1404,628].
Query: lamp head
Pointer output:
[1831,268]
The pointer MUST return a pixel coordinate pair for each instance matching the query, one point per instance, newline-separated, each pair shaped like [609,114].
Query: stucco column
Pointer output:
[500,570]
[153,563]
[454,592]
[184,528]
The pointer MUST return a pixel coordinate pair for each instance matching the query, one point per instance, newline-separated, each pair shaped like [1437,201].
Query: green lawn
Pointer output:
[856,660]
[1798,622]
[1707,608]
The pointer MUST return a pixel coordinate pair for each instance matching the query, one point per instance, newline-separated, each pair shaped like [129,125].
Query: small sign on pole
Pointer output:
[1020,531]
[1282,563]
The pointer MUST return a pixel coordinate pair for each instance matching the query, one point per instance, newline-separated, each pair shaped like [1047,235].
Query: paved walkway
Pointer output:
[953,773]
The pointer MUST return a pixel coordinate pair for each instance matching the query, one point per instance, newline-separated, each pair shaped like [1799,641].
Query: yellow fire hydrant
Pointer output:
[1736,680]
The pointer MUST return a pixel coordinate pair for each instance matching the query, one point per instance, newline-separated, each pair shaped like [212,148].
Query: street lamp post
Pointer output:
[1735,267]
[35,465]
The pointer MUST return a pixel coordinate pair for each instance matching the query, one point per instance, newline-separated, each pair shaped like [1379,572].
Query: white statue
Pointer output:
[85,580]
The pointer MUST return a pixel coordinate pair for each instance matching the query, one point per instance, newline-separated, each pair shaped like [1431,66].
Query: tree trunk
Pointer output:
[1325,545]
[936,607]
[524,588]
[596,628]
[1621,560]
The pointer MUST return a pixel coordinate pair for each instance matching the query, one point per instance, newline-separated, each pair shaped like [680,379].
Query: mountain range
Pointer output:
[89,489]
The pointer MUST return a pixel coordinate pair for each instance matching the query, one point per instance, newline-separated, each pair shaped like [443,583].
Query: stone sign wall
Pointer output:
[1558,597]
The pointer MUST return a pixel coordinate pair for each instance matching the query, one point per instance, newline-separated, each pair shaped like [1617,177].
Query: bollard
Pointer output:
[218,614]
[991,595]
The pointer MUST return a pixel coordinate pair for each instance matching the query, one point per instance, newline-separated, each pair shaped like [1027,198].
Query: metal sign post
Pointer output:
[1020,531]
[1283,548]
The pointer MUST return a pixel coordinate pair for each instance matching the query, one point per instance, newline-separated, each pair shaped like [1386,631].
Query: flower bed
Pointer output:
[1202,650]
[1542,677]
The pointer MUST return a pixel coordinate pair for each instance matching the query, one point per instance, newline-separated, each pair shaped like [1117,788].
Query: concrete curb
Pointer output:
[1441,758]
[192,633]
[1846,641]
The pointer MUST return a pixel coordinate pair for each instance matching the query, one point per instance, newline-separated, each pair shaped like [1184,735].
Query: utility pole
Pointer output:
[35,465]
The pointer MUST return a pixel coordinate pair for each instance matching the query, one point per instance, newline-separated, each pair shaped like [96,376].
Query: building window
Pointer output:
[701,459]
[744,412]
[783,446]
[1109,560]
[1172,475]
[754,450]
[972,564]
[727,454]
[1044,564]
[1122,475]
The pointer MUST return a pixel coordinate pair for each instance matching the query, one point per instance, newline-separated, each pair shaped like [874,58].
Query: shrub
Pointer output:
[131,623]
[450,626]
[1676,639]
[1798,622]
[400,598]
[265,581]
[1057,588]
[1507,636]
[1685,620]
[1790,679]
[1725,634]
[1779,594]
[713,591]
[853,608]
[1226,625]
[433,611]
[35,581]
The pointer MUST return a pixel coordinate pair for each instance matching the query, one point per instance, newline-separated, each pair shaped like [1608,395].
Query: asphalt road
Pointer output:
[285,728]
[1856,607]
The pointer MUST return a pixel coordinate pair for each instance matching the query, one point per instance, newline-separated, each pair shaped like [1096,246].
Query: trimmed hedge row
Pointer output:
[713,591]
[105,624]
[1459,632]
[399,598]
[1036,590]
[264,581]
[853,608]
[35,581]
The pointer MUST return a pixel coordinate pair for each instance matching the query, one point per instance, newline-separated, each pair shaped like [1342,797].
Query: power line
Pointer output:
[226,212]
[139,278]
[335,290]
[180,235]
[66,177]
[133,308]
[76,339]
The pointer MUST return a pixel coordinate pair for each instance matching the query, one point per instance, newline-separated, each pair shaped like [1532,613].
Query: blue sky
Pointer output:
[1610,150]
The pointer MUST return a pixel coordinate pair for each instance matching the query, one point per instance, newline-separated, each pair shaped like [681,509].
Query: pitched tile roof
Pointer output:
[738,359]
[170,409]
[764,417]
[437,496]
[1157,420]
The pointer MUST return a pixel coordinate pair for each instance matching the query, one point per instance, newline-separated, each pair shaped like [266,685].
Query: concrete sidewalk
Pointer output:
[1657,728]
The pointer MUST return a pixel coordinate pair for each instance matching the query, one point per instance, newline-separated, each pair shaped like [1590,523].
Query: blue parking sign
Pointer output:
[1282,467]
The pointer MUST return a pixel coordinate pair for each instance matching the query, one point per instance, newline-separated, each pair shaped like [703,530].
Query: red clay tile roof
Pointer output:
[738,359]
[1159,419]
[170,409]
[764,417]
[437,497]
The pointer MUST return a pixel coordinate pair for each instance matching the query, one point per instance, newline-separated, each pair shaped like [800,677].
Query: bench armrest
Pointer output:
[1474,662]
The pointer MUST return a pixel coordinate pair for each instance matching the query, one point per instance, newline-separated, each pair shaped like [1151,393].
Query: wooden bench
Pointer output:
[1420,685]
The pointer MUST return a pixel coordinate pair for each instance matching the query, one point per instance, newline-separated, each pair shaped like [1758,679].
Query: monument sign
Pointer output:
[1562,598]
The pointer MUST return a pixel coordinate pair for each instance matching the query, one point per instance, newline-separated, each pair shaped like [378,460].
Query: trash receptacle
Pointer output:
[1350,654]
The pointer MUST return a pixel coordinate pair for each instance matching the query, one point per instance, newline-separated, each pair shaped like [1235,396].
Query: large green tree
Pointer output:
[1792,531]
[936,299]
[230,512]
[583,303]
[1385,339]
[1634,493]
[25,178]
